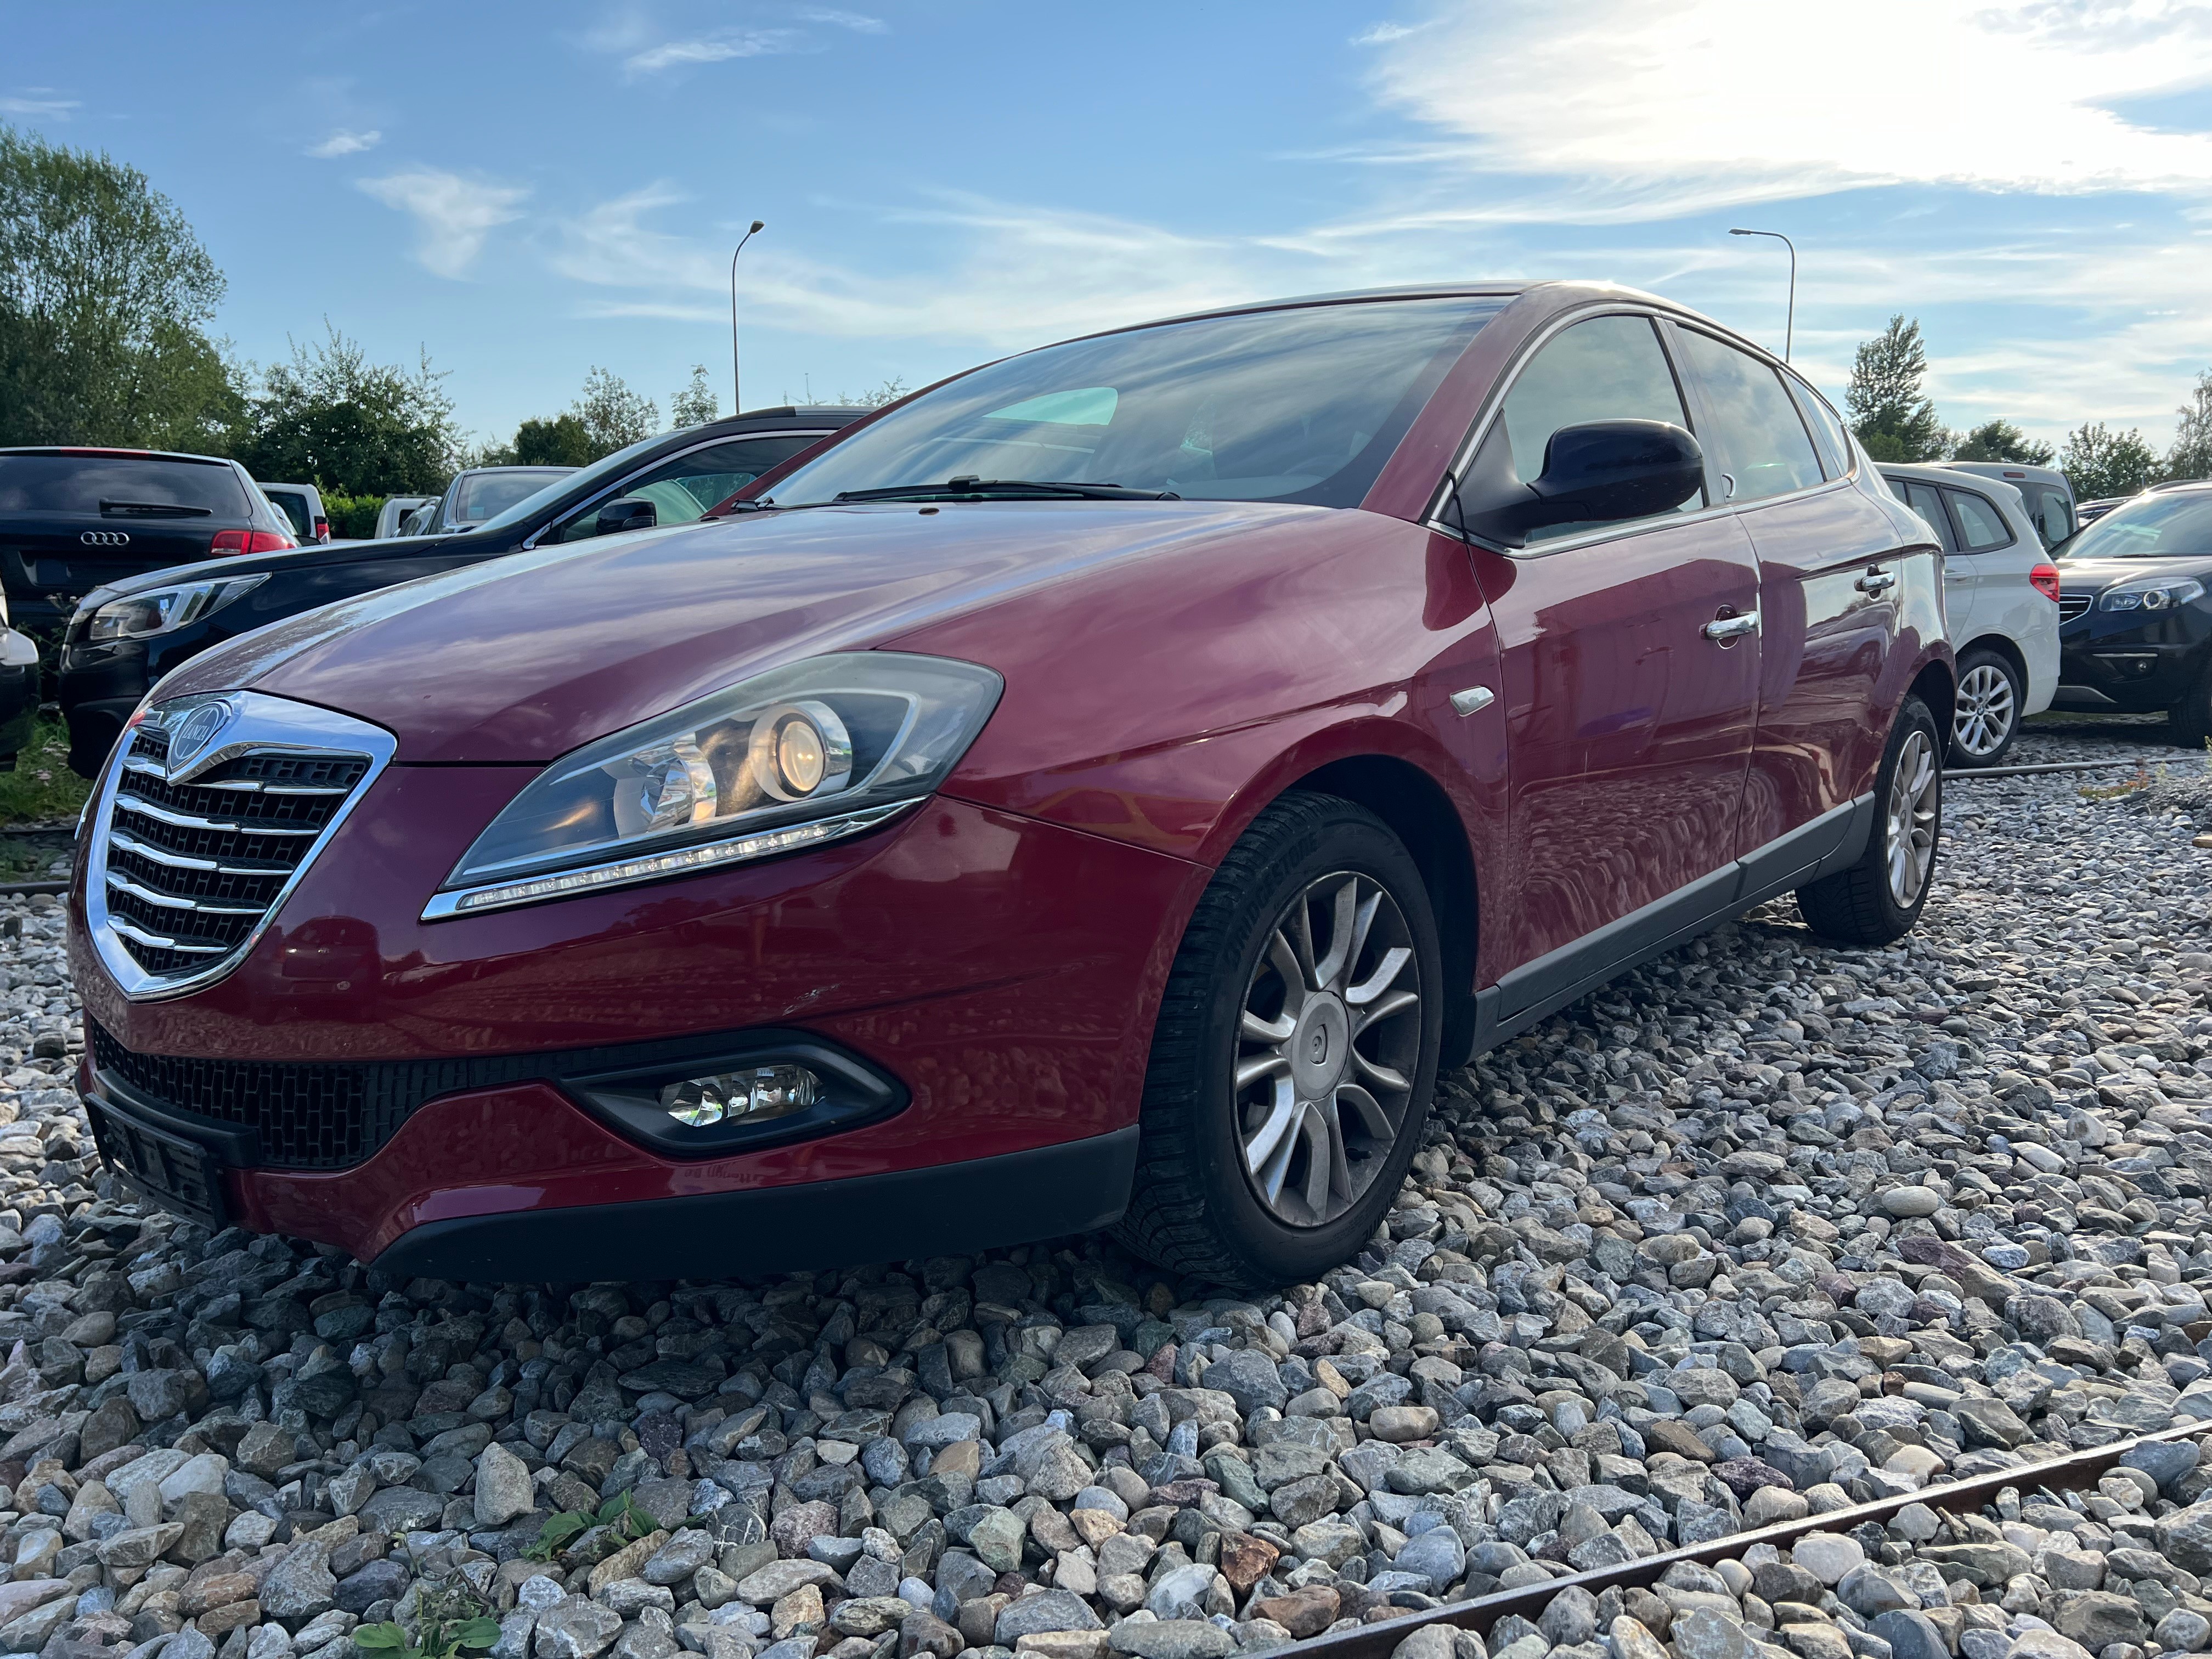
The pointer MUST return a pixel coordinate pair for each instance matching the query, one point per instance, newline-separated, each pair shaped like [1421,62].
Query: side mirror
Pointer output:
[1600,472]
[630,512]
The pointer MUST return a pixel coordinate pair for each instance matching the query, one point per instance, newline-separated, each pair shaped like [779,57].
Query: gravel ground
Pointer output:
[2109,1570]
[1764,1228]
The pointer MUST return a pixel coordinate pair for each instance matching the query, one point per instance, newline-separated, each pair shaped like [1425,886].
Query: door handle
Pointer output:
[1475,699]
[1958,575]
[1877,581]
[1723,629]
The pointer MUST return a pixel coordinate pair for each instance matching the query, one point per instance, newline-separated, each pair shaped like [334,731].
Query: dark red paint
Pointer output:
[1170,667]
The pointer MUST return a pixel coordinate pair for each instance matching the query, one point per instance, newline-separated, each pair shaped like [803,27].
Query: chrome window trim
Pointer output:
[261,724]
[623,483]
[1494,404]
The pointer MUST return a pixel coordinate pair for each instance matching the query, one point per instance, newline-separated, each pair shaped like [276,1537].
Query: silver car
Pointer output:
[478,494]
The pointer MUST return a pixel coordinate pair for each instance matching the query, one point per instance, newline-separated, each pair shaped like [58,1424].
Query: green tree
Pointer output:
[2000,441]
[354,426]
[696,404]
[2099,462]
[561,441]
[2191,455]
[613,415]
[1884,398]
[105,296]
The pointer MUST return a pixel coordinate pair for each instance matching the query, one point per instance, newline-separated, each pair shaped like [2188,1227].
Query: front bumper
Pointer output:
[1003,971]
[2125,660]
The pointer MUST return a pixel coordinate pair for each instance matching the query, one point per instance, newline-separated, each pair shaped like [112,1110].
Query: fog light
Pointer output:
[749,1095]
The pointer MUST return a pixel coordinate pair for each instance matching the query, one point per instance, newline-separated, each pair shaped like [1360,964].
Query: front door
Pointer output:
[1629,666]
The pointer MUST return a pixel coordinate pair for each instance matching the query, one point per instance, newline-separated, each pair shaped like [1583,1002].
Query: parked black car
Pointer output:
[126,635]
[72,520]
[2134,608]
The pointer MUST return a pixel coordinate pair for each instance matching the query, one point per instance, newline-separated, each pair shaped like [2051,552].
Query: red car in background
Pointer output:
[1102,788]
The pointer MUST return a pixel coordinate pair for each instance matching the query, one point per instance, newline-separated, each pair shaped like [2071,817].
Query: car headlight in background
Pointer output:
[158,610]
[2152,593]
[789,759]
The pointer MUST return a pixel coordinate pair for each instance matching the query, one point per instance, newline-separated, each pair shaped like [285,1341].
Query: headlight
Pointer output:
[790,759]
[2152,593]
[158,610]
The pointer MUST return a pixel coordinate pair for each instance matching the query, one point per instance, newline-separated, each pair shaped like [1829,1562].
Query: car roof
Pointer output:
[2002,491]
[134,454]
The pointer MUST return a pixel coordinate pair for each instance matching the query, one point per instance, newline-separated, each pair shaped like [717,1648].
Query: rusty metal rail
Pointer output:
[2071,1472]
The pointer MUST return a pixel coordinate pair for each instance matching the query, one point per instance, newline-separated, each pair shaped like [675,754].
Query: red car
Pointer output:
[1101,789]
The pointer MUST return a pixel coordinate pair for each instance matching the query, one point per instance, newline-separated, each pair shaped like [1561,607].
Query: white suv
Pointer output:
[2001,594]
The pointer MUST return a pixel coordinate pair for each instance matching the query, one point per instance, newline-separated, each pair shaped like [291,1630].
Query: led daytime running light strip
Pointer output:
[684,861]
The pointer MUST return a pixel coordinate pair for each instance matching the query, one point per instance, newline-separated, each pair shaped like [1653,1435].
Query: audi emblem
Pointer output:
[105,539]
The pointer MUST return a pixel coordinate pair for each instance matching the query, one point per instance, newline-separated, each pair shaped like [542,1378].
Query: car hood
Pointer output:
[313,557]
[519,659]
[2094,575]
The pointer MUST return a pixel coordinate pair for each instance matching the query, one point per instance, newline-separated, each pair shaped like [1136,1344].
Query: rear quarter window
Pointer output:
[119,486]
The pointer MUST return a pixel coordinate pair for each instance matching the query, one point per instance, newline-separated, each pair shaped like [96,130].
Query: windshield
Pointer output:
[565,484]
[489,493]
[113,485]
[1303,404]
[2148,527]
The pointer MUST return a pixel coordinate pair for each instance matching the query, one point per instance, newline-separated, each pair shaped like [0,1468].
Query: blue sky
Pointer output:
[528,190]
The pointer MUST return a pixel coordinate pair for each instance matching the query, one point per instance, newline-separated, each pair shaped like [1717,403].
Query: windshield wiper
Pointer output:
[970,487]
[154,509]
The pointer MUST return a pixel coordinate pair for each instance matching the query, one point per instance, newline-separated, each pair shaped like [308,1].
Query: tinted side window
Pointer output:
[292,505]
[1758,439]
[2047,511]
[1924,500]
[686,487]
[1608,368]
[1827,431]
[1981,526]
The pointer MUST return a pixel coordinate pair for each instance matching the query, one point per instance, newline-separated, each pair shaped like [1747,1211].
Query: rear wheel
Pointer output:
[1877,900]
[1990,697]
[1295,1053]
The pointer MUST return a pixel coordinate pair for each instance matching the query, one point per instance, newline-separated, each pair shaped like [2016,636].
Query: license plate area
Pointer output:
[175,1168]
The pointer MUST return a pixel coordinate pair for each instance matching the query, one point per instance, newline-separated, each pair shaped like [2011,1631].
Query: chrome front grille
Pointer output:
[206,820]
[2071,605]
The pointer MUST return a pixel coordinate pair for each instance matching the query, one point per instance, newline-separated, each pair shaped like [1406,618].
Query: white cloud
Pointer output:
[1382,35]
[1685,104]
[346,142]
[39,106]
[452,215]
[717,49]
[845,19]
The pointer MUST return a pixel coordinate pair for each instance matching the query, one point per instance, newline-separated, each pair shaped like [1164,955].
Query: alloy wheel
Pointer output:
[1328,1043]
[1986,710]
[1909,830]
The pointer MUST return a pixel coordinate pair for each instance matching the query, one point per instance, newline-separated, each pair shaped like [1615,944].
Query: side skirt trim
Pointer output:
[1535,990]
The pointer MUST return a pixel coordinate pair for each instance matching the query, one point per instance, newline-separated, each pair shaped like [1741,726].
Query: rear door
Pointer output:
[1831,582]
[1629,726]
[1991,565]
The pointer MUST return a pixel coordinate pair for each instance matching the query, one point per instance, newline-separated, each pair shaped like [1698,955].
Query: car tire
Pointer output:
[1877,900]
[1992,694]
[2191,720]
[1278,1178]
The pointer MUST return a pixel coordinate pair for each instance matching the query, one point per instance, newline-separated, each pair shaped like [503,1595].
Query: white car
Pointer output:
[2001,594]
[302,506]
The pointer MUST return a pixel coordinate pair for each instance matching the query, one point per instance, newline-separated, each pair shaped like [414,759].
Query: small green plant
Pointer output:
[42,789]
[447,1621]
[629,1523]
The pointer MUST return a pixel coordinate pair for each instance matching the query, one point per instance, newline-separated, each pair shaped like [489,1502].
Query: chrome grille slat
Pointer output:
[127,843]
[169,901]
[186,866]
[190,821]
[160,944]
[2071,605]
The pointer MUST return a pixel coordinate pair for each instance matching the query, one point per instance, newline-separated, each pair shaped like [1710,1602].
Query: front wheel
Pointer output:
[1877,900]
[1295,1053]
[1990,696]
[2191,718]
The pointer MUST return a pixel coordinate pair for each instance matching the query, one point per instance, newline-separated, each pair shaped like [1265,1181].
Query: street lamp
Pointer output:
[1790,328]
[735,403]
